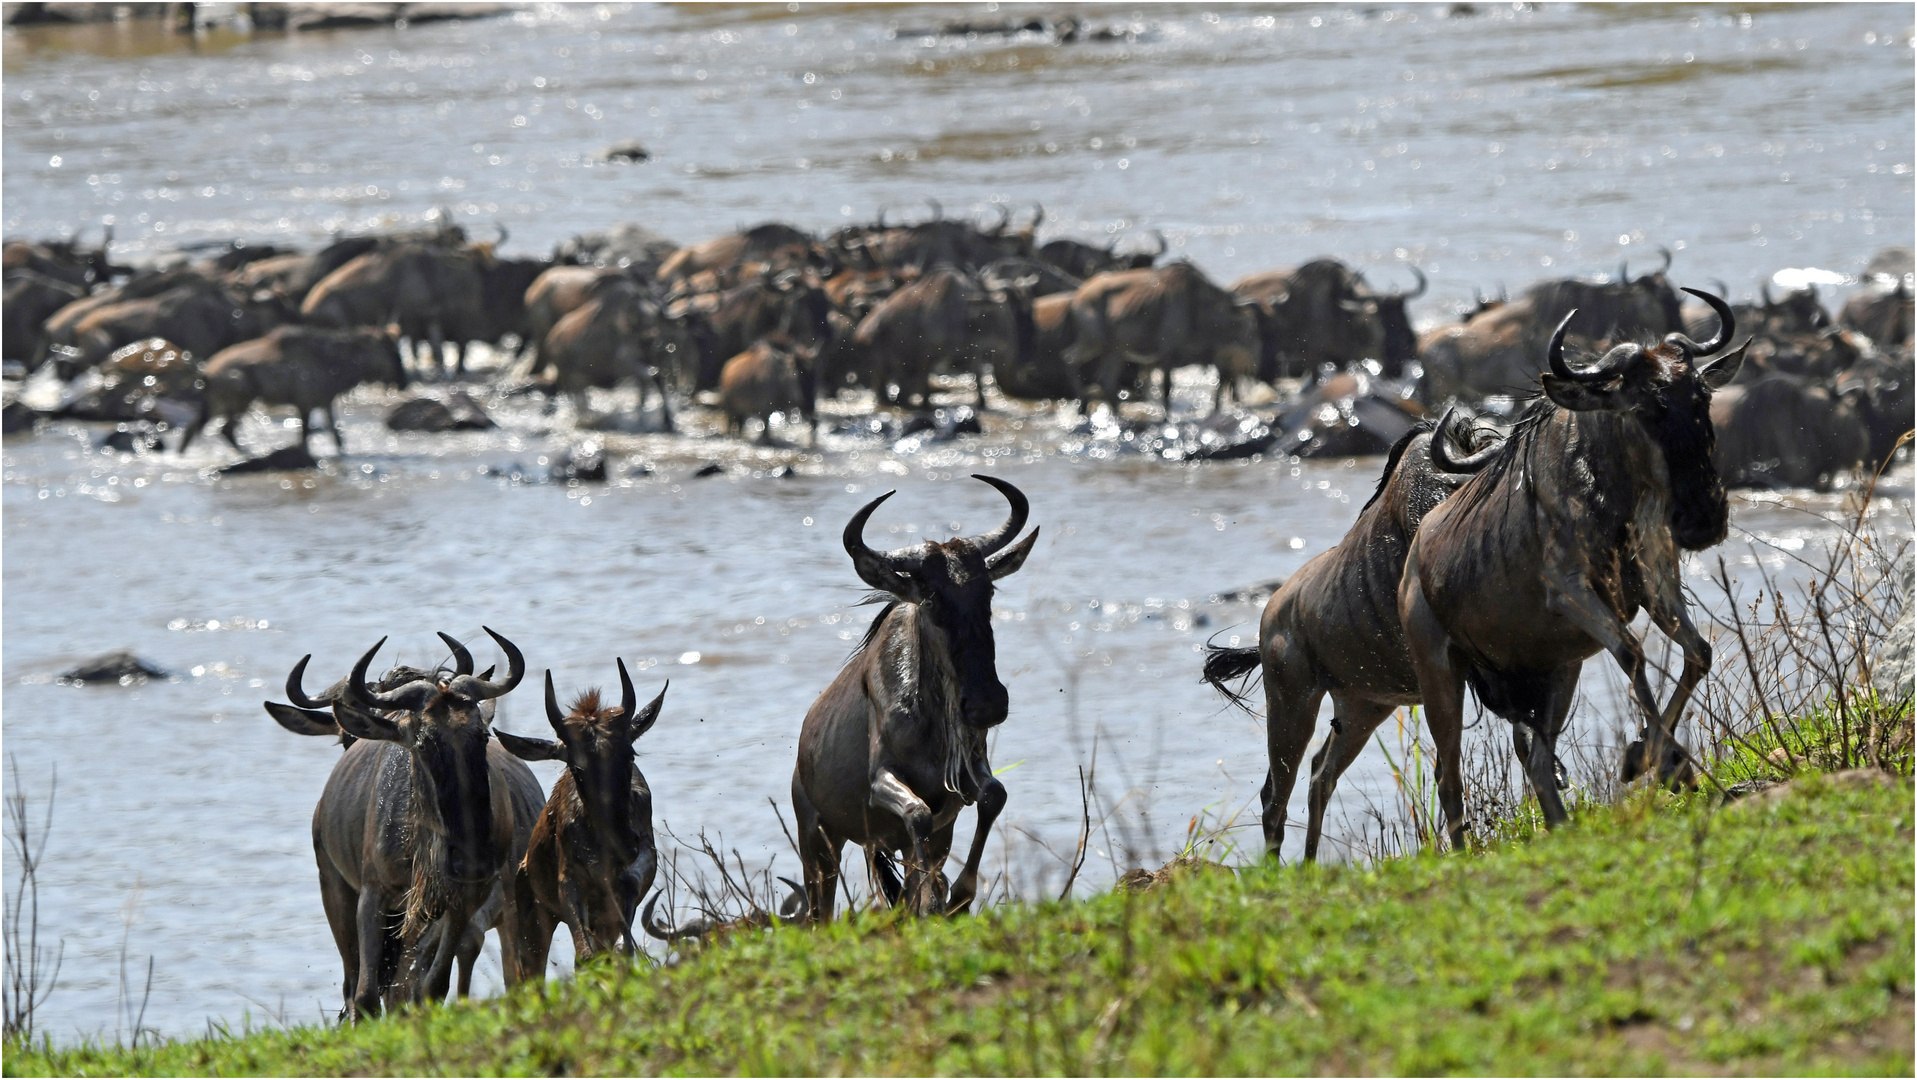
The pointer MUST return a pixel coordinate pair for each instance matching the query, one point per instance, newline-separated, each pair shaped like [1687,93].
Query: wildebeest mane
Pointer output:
[587,703]
[1396,452]
[1516,445]
[872,631]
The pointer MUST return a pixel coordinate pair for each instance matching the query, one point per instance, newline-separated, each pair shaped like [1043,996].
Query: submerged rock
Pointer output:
[459,412]
[119,666]
[629,150]
[285,459]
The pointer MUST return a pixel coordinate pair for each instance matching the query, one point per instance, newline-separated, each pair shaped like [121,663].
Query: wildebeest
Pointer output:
[1324,312]
[1547,554]
[790,305]
[31,298]
[1167,318]
[895,747]
[942,319]
[617,334]
[199,315]
[771,247]
[1498,351]
[771,376]
[1082,260]
[1333,627]
[911,250]
[1044,376]
[591,856]
[62,260]
[1883,312]
[557,292]
[301,366]
[1787,431]
[415,827]
[435,293]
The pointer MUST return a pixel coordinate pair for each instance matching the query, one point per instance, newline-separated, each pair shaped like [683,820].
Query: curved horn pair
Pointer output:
[1004,219]
[1606,369]
[874,566]
[628,697]
[463,683]
[1454,423]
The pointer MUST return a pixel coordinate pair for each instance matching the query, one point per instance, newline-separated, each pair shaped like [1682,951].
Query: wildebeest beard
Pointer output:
[1700,513]
[433,890]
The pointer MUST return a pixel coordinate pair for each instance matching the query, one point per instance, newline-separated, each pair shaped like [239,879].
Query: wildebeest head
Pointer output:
[1799,312]
[1664,389]
[951,583]
[596,743]
[1400,344]
[442,723]
[380,356]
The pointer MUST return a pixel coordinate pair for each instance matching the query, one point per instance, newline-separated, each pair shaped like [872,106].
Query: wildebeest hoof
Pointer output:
[115,667]
[285,459]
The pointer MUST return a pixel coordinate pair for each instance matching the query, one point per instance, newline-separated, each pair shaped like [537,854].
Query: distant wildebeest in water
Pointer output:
[591,856]
[1545,556]
[770,377]
[895,747]
[1324,312]
[301,366]
[1333,627]
[416,825]
[1167,317]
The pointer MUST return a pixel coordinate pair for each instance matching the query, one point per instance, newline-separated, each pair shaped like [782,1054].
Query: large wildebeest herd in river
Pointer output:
[1494,555]
[769,321]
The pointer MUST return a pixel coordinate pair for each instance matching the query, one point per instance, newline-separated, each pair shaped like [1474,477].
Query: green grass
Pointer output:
[1658,936]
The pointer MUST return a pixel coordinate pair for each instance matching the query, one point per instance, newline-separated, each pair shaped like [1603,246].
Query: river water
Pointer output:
[1498,147]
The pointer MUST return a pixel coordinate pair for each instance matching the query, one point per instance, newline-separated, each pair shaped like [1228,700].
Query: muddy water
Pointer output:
[1501,147]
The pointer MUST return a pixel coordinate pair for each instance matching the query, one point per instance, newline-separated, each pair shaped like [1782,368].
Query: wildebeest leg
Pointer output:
[818,855]
[306,430]
[1441,685]
[1352,722]
[580,410]
[890,795]
[437,338]
[530,926]
[978,382]
[230,427]
[1570,597]
[445,936]
[372,943]
[1166,368]
[665,407]
[471,942]
[341,906]
[1674,763]
[990,801]
[1291,715]
[332,421]
[459,357]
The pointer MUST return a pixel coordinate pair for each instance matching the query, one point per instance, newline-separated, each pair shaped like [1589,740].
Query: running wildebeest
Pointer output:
[1545,556]
[312,716]
[1333,627]
[415,827]
[591,855]
[895,747]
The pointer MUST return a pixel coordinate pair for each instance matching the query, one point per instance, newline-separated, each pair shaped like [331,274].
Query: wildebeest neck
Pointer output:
[451,832]
[1700,512]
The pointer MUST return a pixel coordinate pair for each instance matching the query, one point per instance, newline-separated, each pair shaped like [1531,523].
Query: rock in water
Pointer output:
[115,667]
[420,414]
[630,150]
[285,459]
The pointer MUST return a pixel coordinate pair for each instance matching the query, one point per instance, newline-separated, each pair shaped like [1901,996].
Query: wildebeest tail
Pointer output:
[886,869]
[1223,664]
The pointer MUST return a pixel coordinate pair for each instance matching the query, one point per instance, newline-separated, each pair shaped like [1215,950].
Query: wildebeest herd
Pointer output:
[767,321]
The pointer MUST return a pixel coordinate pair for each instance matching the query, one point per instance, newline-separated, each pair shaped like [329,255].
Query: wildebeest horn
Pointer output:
[462,660]
[475,689]
[990,543]
[938,212]
[1606,369]
[1004,219]
[1440,449]
[1666,252]
[628,697]
[1038,214]
[1422,285]
[1163,245]
[1624,270]
[1726,326]
[1764,291]
[881,219]
[641,722]
[295,693]
[554,715]
[796,906]
[365,697]
[501,226]
[666,933]
[888,572]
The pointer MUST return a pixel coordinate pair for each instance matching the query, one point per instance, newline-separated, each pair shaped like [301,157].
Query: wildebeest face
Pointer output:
[1668,393]
[951,582]
[597,745]
[443,722]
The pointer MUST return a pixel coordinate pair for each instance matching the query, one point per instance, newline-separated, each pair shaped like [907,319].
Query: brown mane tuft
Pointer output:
[587,703]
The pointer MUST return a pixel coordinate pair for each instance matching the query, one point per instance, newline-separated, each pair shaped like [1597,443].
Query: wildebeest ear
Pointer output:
[1007,562]
[1719,372]
[1576,396]
[302,721]
[365,725]
[529,749]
